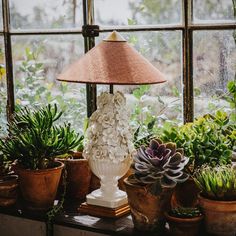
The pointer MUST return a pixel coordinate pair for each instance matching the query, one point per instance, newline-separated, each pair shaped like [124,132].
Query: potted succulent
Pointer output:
[208,140]
[78,173]
[218,198]
[157,170]
[34,141]
[8,182]
[184,221]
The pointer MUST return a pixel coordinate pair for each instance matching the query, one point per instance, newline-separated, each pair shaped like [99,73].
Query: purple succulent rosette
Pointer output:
[160,165]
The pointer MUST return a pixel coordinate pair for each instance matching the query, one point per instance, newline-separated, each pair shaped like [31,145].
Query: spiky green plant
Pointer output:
[34,140]
[185,212]
[217,183]
[160,165]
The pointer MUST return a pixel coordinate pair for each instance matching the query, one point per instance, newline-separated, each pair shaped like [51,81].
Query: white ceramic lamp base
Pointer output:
[109,195]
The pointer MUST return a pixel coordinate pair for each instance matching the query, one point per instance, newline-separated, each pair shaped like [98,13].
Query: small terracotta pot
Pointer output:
[39,187]
[220,216]
[147,210]
[78,178]
[8,190]
[181,199]
[184,226]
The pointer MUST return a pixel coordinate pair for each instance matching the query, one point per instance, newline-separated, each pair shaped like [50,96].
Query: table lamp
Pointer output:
[108,145]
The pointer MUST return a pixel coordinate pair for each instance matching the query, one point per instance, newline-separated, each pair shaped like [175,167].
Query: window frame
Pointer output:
[187,27]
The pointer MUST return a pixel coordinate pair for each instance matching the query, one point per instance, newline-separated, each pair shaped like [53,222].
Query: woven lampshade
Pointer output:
[113,61]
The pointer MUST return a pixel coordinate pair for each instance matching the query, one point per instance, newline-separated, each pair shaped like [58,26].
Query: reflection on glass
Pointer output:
[1,20]
[140,12]
[161,102]
[213,10]
[45,14]
[214,64]
[3,90]
[37,61]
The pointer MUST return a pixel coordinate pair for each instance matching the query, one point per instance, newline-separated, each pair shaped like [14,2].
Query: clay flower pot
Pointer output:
[78,177]
[147,210]
[39,187]
[8,190]
[184,226]
[220,216]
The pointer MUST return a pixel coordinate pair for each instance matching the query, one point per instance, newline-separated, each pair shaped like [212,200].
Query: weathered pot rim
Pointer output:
[181,220]
[134,185]
[8,178]
[41,171]
[217,205]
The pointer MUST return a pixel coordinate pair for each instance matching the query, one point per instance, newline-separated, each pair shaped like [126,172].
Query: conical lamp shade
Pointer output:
[113,61]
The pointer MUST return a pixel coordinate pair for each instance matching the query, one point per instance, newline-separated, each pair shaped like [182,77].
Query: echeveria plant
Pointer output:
[160,165]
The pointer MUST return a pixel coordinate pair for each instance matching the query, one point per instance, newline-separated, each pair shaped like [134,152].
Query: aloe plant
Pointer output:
[217,183]
[34,140]
[185,212]
[160,165]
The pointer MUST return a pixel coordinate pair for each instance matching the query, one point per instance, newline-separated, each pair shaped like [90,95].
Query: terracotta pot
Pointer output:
[39,187]
[184,226]
[181,199]
[78,178]
[220,216]
[147,210]
[8,190]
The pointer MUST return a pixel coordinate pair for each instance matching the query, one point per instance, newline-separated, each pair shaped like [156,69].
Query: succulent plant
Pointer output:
[34,140]
[185,212]
[217,183]
[160,165]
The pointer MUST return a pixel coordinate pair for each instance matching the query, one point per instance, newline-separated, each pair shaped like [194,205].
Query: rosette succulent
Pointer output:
[160,165]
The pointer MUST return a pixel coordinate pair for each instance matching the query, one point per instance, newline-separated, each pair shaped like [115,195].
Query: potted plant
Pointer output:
[8,182]
[78,173]
[184,221]
[34,141]
[157,170]
[218,198]
[208,140]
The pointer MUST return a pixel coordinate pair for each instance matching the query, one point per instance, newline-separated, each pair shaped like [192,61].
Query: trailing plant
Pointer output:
[160,165]
[34,140]
[217,183]
[185,212]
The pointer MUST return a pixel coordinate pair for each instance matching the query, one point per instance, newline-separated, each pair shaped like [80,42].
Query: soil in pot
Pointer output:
[147,210]
[39,187]
[184,226]
[8,190]
[220,216]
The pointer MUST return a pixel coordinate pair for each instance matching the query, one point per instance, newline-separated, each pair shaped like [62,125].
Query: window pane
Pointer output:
[213,10]
[214,64]
[162,101]
[3,90]
[1,20]
[37,61]
[140,12]
[45,14]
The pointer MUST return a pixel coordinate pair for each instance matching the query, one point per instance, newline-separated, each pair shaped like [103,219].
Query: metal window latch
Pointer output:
[90,30]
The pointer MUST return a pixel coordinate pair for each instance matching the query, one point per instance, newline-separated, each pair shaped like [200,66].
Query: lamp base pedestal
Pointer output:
[119,198]
[104,211]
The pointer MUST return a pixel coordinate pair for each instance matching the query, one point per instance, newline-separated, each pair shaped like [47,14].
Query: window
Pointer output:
[192,42]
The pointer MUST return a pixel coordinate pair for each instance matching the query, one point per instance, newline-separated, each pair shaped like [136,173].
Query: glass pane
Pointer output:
[1,20]
[37,61]
[3,90]
[161,102]
[214,64]
[213,10]
[45,14]
[140,12]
